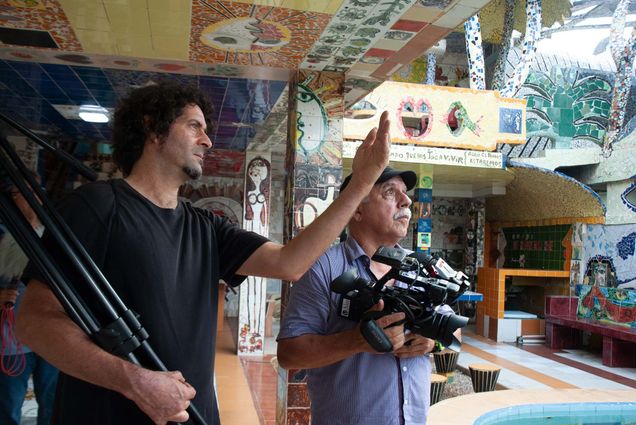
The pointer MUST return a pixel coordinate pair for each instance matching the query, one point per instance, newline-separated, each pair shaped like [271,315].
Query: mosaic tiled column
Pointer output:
[314,172]
[530,42]
[474,246]
[623,53]
[476,66]
[431,63]
[256,207]
[617,30]
[499,74]
[422,208]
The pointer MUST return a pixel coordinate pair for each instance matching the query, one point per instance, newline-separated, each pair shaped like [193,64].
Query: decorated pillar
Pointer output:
[256,207]
[314,172]
[530,43]
[422,208]
[623,54]
[475,52]
[431,64]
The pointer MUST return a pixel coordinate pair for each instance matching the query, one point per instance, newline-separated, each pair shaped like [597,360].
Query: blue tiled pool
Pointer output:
[562,414]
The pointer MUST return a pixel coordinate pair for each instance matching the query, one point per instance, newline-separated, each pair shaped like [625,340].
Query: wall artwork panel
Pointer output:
[318,121]
[613,246]
[256,219]
[537,247]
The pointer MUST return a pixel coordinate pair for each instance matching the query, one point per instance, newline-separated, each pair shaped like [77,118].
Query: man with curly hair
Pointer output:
[165,258]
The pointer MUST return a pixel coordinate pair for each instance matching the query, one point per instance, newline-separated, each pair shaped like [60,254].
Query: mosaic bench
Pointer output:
[563,330]
[619,342]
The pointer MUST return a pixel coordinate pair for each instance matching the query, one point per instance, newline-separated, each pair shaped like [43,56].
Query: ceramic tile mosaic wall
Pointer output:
[422,209]
[449,235]
[314,167]
[570,106]
[538,248]
[608,305]
[621,202]
[608,255]
[457,233]
[315,157]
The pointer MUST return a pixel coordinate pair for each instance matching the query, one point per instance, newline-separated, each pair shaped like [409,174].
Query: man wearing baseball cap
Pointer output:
[349,382]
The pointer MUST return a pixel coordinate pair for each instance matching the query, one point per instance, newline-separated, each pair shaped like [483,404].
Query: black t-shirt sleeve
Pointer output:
[235,245]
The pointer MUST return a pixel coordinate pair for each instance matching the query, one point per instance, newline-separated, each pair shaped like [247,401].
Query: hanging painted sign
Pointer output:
[441,116]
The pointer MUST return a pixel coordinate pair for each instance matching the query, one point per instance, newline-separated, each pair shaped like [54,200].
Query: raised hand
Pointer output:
[373,154]
[163,396]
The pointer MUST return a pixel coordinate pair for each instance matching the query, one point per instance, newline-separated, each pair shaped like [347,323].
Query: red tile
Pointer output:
[379,53]
[298,416]
[297,395]
[406,25]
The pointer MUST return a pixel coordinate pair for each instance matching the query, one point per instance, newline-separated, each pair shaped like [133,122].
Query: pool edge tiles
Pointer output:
[579,412]
[464,410]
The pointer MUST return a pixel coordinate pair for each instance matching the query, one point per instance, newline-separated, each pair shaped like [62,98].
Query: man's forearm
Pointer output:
[163,396]
[303,250]
[311,351]
[65,345]
[291,261]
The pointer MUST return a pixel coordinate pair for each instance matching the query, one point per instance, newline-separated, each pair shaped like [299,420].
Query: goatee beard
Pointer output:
[193,173]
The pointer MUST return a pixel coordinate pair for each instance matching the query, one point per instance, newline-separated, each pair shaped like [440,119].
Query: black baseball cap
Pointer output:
[408,177]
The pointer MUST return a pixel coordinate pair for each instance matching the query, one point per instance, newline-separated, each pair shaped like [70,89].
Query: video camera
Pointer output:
[422,283]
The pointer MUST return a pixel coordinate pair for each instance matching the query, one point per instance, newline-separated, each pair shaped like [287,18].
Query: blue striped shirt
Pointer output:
[369,389]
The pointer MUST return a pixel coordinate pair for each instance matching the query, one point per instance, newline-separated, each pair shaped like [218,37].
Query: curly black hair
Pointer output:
[151,109]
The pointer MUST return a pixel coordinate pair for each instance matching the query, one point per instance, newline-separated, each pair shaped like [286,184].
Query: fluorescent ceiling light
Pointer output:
[91,113]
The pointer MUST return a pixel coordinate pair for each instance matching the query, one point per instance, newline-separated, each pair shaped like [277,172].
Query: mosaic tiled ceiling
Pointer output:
[58,54]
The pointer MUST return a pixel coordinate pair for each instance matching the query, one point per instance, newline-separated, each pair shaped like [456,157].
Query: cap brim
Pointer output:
[408,177]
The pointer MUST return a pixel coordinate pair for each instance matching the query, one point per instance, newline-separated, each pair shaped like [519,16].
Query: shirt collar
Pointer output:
[354,251]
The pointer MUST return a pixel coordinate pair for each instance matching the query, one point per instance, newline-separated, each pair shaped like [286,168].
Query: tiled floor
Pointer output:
[262,380]
[246,386]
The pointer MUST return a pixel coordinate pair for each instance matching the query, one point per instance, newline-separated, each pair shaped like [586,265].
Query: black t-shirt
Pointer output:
[165,265]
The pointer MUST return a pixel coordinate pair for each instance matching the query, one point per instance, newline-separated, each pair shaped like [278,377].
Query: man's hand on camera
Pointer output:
[415,345]
[395,333]
[163,396]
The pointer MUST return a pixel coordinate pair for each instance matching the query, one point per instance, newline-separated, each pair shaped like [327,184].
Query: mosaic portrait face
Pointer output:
[311,119]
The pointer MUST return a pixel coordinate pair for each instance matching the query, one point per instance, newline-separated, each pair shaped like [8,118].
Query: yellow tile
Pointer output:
[423,14]
[173,7]
[169,48]
[330,6]
[97,41]
[82,7]
[90,22]
[133,22]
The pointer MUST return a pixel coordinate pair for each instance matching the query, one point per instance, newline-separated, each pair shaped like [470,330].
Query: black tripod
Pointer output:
[122,334]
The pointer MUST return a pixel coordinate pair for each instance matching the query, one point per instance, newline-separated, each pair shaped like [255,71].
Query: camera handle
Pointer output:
[373,333]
